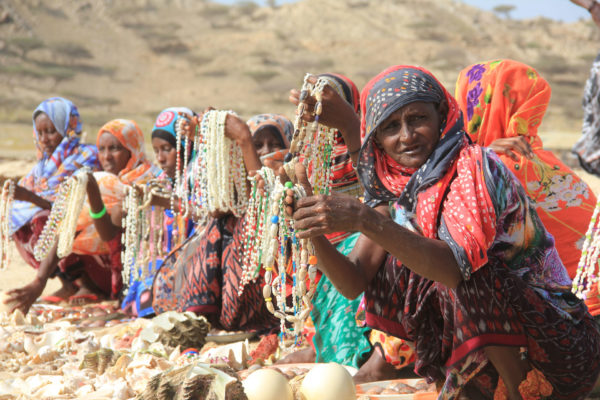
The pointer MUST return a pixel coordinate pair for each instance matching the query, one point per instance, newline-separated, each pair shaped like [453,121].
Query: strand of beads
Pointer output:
[285,246]
[314,148]
[181,188]
[130,239]
[255,221]
[68,202]
[586,270]
[221,168]
[76,196]
[8,195]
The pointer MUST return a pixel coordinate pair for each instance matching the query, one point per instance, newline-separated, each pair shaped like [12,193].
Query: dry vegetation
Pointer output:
[131,59]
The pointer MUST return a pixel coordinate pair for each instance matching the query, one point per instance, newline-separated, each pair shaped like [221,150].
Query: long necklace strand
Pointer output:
[8,195]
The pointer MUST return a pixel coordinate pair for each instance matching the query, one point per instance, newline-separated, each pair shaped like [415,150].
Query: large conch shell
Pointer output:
[177,329]
[194,381]
[99,361]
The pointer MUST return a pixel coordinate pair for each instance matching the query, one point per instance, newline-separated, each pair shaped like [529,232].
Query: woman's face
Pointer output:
[266,141]
[48,137]
[410,134]
[166,155]
[112,155]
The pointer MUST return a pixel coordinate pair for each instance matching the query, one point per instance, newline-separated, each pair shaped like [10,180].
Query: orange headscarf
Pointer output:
[506,98]
[113,188]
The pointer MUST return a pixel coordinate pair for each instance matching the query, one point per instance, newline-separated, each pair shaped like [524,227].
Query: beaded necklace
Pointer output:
[8,195]
[220,172]
[314,146]
[586,270]
[62,221]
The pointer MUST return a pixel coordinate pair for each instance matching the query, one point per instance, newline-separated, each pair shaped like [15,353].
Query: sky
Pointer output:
[562,10]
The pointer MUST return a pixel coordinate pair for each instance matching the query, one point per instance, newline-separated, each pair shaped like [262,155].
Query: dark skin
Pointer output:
[113,158]
[166,156]
[408,136]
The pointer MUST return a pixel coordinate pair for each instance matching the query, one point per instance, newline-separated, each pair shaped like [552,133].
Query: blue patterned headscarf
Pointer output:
[51,170]
[166,123]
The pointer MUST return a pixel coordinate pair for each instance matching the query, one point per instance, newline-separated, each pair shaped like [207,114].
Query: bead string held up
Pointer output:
[8,195]
[587,270]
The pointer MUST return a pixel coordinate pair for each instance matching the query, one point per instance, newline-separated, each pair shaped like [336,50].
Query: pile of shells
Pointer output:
[177,329]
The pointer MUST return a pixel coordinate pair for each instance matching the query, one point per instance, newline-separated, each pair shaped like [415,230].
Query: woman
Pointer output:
[138,300]
[57,131]
[503,102]
[205,272]
[98,239]
[479,277]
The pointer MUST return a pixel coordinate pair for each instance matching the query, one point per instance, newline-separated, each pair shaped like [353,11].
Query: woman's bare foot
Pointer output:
[376,369]
[86,293]
[306,355]
[66,290]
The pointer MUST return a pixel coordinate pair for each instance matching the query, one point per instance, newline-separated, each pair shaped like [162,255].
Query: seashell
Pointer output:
[120,368]
[195,381]
[173,328]
[17,318]
[99,361]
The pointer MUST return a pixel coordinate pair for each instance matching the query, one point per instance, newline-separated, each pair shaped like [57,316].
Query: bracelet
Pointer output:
[98,214]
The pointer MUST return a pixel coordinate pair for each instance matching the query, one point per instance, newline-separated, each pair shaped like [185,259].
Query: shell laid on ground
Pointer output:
[267,384]
[99,361]
[195,381]
[177,329]
[328,382]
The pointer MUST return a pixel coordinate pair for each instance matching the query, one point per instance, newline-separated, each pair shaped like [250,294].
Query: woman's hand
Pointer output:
[24,194]
[319,215]
[513,147]
[336,112]
[237,130]
[22,298]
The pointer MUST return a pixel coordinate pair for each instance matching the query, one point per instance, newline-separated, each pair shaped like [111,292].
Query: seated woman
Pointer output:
[503,103]
[452,256]
[57,130]
[98,234]
[205,272]
[138,300]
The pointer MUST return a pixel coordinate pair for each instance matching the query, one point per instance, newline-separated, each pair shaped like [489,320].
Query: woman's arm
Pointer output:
[24,194]
[22,298]
[237,130]
[107,226]
[319,215]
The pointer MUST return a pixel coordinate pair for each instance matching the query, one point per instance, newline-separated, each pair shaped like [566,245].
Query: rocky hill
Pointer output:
[132,58]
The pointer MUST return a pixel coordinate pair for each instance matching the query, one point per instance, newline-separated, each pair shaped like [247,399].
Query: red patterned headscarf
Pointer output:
[392,89]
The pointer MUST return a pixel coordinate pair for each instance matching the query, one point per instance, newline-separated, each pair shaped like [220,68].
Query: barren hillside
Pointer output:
[132,58]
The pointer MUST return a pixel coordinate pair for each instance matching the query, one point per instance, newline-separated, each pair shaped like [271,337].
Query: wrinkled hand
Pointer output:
[513,147]
[22,298]
[336,112]
[319,215]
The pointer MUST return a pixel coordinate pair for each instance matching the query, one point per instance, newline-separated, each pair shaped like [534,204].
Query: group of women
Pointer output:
[458,257]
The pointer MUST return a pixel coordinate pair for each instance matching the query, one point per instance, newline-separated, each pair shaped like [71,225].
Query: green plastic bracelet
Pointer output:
[99,214]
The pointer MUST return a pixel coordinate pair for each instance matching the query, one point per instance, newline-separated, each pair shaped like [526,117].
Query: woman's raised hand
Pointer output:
[236,129]
[336,112]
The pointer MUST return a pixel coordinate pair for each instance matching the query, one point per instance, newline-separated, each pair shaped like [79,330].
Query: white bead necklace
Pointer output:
[587,274]
[62,221]
[221,173]
[8,195]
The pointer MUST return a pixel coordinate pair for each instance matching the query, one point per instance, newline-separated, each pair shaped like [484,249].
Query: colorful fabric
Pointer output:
[337,337]
[50,171]
[515,290]
[284,126]
[70,268]
[506,98]
[395,351]
[587,147]
[205,274]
